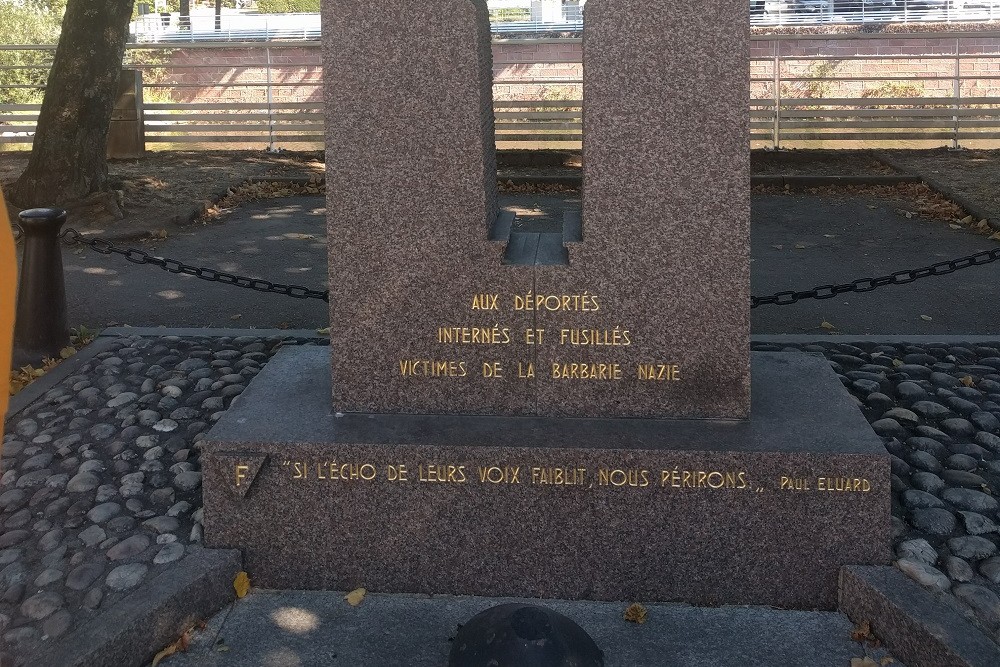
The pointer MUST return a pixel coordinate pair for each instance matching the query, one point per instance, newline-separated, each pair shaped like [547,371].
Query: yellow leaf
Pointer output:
[995,237]
[165,653]
[325,331]
[355,597]
[967,220]
[886,661]
[242,584]
[926,318]
[235,317]
[636,613]
[826,325]
[67,352]
[968,381]
[863,662]
[896,363]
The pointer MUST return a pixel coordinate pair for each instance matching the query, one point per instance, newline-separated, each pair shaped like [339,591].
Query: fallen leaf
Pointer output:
[778,247]
[324,331]
[967,220]
[182,644]
[872,206]
[236,317]
[636,613]
[955,226]
[968,381]
[926,318]
[67,352]
[800,246]
[863,662]
[241,584]
[862,631]
[887,660]
[826,325]
[830,236]
[355,597]
[995,237]
[896,363]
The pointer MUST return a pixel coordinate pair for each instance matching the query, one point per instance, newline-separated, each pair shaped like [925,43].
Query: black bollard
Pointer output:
[40,327]
[523,635]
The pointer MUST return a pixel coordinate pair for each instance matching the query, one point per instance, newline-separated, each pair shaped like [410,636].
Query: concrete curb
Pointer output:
[156,332]
[921,339]
[971,207]
[133,630]
[918,628]
[39,387]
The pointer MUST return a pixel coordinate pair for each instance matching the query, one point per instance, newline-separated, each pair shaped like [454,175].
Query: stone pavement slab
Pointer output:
[842,238]
[304,629]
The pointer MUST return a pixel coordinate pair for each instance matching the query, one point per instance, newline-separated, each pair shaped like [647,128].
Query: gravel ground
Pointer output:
[101,489]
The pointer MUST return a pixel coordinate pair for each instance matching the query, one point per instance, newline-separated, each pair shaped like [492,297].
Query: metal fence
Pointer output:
[547,16]
[796,100]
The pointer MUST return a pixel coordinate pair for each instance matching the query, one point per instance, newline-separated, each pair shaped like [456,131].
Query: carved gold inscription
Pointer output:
[241,473]
[433,369]
[554,303]
[659,372]
[586,372]
[513,474]
[616,337]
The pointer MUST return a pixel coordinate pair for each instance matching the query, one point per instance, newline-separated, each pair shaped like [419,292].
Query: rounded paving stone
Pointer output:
[910,392]
[162,524]
[933,521]
[985,421]
[125,577]
[965,479]
[13,537]
[57,624]
[187,480]
[129,547]
[990,568]
[48,576]
[972,547]
[50,540]
[958,427]
[961,462]
[104,512]
[917,550]
[930,409]
[958,569]
[971,500]
[888,428]
[169,553]
[84,575]
[916,499]
[988,440]
[92,535]
[925,575]
[42,605]
[82,482]
[905,417]
[924,461]
[977,524]
[929,445]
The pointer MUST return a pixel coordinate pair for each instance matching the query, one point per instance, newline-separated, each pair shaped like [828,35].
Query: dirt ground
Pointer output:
[166,189]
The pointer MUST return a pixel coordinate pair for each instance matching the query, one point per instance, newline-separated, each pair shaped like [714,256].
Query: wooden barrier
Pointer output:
[8,292]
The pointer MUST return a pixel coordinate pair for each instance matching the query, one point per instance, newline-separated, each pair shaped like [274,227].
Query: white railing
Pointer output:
[796,98]
[525,16]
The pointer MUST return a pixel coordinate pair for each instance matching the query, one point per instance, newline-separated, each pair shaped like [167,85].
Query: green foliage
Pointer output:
[287,6]
[35,22]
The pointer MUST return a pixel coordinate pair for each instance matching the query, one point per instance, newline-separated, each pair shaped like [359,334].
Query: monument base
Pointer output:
[762,512]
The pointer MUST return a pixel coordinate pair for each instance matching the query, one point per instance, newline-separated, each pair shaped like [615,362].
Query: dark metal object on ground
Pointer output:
[523,635]
[40,328]
[136,256]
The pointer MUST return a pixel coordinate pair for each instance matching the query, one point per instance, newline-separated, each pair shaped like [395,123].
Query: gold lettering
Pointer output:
[241,473]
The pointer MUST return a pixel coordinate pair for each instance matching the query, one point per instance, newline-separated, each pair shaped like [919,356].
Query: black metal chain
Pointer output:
[72,237]
[868,284]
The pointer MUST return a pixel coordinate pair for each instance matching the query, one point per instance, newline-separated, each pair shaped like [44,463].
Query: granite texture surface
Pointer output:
[707,512]
[666,221]
[411,196]
[650,316]
[917,626]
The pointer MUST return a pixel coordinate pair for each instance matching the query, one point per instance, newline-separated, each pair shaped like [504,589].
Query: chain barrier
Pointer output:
[862,285]
[72,237]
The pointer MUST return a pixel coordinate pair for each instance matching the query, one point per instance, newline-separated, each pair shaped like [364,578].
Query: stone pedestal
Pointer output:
[708,512]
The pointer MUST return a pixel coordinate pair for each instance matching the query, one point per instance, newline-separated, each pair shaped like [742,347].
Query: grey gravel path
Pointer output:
[798,242]
[100,483]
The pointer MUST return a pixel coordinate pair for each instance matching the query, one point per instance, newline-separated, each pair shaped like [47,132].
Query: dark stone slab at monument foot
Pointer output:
[761,512]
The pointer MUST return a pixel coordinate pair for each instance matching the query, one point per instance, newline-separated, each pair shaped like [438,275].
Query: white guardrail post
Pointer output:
[776,134]
[957,92]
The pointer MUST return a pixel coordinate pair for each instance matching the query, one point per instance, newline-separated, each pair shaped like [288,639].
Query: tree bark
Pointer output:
[68,159]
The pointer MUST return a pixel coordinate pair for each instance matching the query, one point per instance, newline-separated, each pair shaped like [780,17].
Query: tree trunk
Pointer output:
[68,159]
[218,15]
[184,18]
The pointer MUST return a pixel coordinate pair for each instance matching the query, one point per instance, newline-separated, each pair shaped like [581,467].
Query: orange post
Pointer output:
[8,292]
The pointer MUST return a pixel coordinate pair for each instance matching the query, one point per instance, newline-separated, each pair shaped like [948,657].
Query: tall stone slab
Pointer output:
[411,182]
[666,215]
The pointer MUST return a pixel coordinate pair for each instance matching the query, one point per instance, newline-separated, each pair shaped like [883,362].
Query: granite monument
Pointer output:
[514,414]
